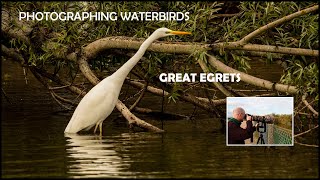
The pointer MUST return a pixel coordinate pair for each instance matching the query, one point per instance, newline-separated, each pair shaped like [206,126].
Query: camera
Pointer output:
[269,119]
[262,125]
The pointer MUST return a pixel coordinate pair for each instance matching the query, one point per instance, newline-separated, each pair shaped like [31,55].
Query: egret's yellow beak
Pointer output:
[179,32]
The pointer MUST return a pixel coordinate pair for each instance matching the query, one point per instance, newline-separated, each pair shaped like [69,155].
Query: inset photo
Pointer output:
[259,121]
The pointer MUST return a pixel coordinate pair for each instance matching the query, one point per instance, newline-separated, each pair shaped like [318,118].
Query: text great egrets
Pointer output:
[100,101]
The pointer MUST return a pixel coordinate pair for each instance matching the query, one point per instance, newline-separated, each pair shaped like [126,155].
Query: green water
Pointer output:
[34,145]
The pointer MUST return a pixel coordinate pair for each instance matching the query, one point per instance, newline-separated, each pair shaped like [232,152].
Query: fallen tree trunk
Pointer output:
[251,79]
[133,120]
[201,102]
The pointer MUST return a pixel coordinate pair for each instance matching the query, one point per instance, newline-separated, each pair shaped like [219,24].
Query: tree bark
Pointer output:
[218,85]
[200,102]
[251,79]
[132,119]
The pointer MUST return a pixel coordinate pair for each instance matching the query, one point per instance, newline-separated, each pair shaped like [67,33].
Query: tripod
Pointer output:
[261,125]
[260,139]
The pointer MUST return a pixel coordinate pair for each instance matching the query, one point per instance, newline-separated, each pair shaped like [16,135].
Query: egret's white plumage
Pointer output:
[100,101]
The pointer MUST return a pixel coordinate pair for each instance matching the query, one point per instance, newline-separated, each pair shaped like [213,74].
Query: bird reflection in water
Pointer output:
[93,156]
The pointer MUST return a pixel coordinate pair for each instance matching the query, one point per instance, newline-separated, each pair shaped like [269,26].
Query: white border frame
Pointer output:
[292,143]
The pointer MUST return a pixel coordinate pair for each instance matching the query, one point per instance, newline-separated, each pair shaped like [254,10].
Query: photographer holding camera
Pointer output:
[236,134]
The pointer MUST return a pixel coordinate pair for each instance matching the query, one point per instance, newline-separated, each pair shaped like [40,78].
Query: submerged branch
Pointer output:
[55,97]
[62,82]
[308,145]
[44,83]
[68,101]
[6,96]
[133,120]
[18,58]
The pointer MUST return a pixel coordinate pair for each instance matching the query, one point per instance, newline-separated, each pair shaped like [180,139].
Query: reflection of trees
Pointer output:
[286,32]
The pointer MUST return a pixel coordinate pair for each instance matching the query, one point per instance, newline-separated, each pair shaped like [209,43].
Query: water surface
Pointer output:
[34,145]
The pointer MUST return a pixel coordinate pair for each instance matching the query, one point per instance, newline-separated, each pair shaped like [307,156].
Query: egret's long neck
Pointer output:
[124,70]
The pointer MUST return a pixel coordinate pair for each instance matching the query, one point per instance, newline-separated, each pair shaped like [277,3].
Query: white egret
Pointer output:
[100,101]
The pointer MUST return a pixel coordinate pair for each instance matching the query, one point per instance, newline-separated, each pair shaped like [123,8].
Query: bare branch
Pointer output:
[60,87]
[205,69]
[59,81]
[42,81]
[308,145]
[308,105]
[92,49]
[265,95]
[72,103]
[305,132]
[302,113]
[226,15]
[283,50]
[18,58]
[121,42]
[268,48]
[132,119]
[38,72]
[252,90]
[6,96]
[54,96]
[216,101]
[239,93]
[251,79]
[259,54]
[305,105]
[139,98]
[150,111]
[200,102]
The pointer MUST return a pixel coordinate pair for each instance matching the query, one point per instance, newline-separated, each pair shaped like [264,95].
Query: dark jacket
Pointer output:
[237,135]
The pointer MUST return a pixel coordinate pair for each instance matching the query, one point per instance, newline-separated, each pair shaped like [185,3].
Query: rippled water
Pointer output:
[34,145]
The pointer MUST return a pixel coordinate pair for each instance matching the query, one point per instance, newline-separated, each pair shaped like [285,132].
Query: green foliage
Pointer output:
[206,27]
[303,75]
[301,32]
[175,93]
[283,120]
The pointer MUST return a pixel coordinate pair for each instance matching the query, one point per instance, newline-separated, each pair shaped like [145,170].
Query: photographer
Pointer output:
[236,134]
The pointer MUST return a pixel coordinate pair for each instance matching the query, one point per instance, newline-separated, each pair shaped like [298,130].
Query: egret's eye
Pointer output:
[167,32]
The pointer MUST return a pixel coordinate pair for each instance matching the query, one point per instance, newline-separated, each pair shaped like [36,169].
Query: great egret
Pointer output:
[100,101]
